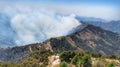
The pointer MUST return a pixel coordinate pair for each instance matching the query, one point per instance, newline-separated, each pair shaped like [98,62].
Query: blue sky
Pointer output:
[112,2]
[71,2]
[106,9]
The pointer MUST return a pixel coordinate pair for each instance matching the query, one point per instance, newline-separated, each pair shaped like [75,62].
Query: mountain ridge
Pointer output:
[90,38]
[112,25]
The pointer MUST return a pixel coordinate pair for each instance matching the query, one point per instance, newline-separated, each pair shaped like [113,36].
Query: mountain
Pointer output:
[113,26]
[17,53]
[9,37]
[89,38]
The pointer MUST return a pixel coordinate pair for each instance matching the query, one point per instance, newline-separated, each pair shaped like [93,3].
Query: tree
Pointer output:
[75,60]
[86,61]
[67,55]
[111,64]
[63,64]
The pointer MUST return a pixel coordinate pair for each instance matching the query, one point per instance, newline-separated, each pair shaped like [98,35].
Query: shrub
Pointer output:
[67,56]
[63,64]
[86,61]
[111,64]
[75,60]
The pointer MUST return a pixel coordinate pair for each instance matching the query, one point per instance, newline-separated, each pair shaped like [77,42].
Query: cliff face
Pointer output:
[89,38]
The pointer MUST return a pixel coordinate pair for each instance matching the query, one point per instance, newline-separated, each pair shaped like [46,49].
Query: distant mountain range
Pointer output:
[89,38]
[8,35]
[113,26]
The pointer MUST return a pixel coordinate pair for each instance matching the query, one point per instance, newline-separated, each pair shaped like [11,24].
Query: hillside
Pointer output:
[90,38]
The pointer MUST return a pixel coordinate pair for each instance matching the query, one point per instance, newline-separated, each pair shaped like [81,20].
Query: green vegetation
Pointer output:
[63,64]
[29,62]
[5,64]
[118,58]
[67,55]
[86,61]
[75,60]
[42,57]
[68,58]
[35,59]
[111,64]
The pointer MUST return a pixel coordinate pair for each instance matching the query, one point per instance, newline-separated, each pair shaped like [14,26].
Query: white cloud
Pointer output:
[97,11]
[37,26]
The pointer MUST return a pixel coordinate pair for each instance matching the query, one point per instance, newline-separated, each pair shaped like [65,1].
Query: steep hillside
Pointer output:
[90,38]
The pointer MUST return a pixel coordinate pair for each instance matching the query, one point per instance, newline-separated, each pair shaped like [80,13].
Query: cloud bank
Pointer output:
[33,26]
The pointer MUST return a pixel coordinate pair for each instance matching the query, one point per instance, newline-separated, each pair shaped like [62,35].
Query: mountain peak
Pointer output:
[90,38]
